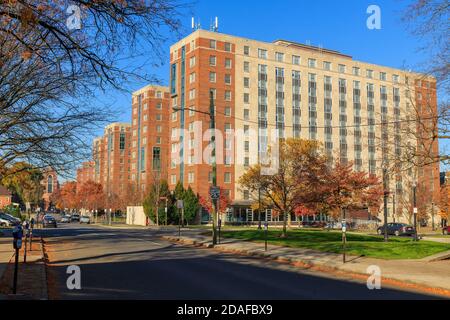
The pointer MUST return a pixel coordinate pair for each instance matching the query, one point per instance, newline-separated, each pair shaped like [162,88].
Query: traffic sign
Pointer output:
[214,193]
[180,204]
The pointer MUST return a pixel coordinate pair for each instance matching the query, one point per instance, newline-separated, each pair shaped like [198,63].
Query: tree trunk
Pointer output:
[284,233]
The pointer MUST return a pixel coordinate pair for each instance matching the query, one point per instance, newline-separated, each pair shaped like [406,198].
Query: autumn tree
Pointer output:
[90,196]
[223,203]
[349,189]
[66,196]
[25,181]
[299,165]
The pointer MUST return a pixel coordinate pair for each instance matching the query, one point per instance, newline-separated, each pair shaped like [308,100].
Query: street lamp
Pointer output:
[415,210]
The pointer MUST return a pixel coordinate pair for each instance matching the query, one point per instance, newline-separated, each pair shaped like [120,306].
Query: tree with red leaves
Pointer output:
[223,204]
[348,189]
[66,196]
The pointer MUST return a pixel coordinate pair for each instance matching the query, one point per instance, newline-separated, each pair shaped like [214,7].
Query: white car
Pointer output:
[5,223]
[85,219]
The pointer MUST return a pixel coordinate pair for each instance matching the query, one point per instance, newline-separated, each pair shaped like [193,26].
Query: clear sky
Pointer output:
[337,25]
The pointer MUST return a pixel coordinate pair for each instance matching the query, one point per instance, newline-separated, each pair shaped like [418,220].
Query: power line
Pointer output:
[316,127]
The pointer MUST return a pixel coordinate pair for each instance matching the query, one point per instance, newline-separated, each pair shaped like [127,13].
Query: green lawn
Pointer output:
[357,244]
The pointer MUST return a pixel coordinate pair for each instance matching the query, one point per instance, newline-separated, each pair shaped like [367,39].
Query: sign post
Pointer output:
[180,206]
[266,227]
[220,225]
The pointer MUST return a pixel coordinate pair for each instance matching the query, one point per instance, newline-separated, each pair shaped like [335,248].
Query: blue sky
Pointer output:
[338,25]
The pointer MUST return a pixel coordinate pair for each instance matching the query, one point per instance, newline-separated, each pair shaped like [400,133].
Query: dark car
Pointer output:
[49,221]
[397,229]
[446,230]
[75,217]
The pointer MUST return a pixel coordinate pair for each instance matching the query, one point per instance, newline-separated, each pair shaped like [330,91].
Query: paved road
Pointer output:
[137,264]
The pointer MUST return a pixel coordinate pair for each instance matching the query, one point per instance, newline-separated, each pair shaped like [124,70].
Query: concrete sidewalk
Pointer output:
[420,274]
[6,253]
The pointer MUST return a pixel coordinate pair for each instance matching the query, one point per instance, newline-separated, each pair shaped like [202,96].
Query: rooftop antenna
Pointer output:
[214,26]
[195,26]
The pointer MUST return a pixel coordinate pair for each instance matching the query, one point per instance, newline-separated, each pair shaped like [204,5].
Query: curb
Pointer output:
[312,266]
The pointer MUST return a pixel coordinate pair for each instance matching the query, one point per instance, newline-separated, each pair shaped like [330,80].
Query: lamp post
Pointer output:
[415,210]
[259,208]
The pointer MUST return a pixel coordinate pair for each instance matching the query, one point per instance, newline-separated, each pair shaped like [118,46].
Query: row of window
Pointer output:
[191,179]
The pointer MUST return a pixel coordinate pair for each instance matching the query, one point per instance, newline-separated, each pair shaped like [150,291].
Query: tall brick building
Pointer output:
[149,136]
[111,160]
[85,173]
[300,91]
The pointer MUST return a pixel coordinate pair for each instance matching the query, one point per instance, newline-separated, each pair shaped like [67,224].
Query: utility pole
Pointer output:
[214,164]
[211,115]
[385,187]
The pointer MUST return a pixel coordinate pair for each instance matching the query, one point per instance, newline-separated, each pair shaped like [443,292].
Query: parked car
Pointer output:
[313,224]
[5,223]
[75,217]
[397,229]
[49,221]
[11,221]
[85,219]
[66,218]
[446,230]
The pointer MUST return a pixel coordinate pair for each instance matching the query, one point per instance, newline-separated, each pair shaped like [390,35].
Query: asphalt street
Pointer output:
[137,264]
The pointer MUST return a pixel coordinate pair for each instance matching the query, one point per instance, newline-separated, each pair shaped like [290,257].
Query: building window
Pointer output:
[227,79]
[212,44]
[246,66]
[158,129]
[228,63]
[227,46]
[192,77]
[192,62]
[327,66]
[191,111]
[227,95]
[227,177]
[191,177]
[159,106]
[246,114]
[156,158]
[395,78]
[158,117]
[262,54]
[246,98]
[50,184]
[192,94]
[212,77]
[383,76]
[246,195]
[212,61]
[279,56]
[356,71]
[246,50]
[342,68]
[158,140]
[227,111]
[369,74]
[158,94]
[246,82]
[312,63]
[296,60]
[173,179]
[122,141]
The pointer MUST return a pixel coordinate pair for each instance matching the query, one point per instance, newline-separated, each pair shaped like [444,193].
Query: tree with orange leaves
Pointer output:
[90,196]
